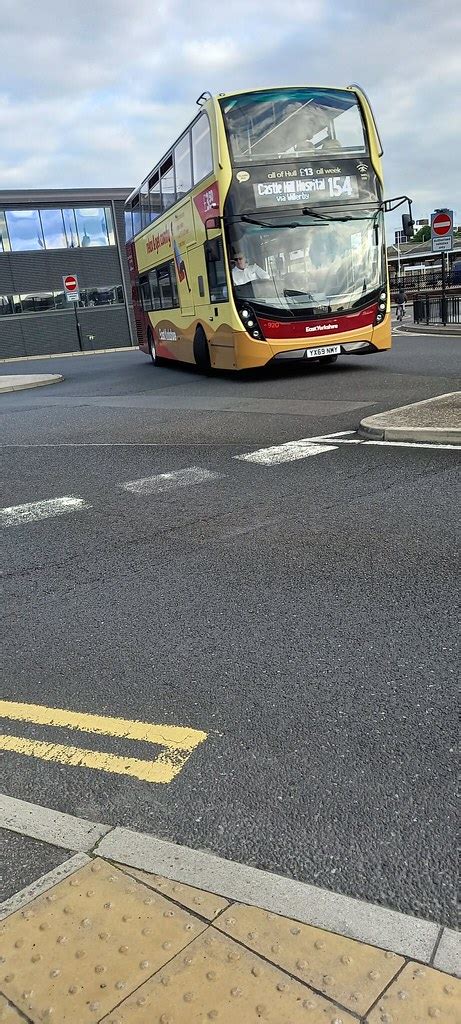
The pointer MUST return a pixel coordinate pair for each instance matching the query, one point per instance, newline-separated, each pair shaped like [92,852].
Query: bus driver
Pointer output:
[243,273]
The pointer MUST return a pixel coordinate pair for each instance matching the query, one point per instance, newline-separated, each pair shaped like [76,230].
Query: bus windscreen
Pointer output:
[293,122]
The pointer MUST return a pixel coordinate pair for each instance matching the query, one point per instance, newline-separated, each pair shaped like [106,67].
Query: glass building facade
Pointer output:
[46,235]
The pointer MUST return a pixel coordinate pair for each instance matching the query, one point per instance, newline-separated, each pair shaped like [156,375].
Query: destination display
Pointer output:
[306,191]
[312,183]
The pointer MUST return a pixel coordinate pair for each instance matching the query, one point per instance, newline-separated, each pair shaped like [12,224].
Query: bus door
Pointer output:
[214,308]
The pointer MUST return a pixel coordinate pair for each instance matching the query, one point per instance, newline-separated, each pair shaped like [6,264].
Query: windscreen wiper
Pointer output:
[307,212]
[264,224]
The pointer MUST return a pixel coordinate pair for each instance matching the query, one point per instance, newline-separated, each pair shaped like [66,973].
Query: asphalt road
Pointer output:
[302,614]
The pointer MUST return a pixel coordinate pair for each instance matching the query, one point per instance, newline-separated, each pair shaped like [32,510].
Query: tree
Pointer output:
[423,234]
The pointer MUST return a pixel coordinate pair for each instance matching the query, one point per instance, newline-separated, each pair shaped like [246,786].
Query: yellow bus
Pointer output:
[259,236]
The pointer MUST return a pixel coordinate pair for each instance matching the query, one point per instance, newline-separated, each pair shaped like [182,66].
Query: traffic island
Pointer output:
[434,420]
[21,381]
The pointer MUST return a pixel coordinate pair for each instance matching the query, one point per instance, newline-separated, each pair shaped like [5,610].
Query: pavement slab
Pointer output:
[418,995]
[206,904]
[104,946]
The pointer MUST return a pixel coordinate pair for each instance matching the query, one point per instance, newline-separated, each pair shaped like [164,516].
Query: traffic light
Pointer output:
[407,225]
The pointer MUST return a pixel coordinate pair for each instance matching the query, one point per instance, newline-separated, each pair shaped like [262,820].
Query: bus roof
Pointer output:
[210,99]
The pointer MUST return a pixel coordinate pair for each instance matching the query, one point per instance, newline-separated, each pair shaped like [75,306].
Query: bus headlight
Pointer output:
[250,323]
[381,312]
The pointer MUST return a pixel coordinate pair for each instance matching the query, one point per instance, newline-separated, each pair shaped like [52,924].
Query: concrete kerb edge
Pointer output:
[441,435]
[412,937]
[67,355]
[433,435]
[365,922]
[42,884]
[52,378]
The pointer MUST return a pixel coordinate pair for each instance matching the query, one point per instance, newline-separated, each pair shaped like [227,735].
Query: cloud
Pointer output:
[92,96]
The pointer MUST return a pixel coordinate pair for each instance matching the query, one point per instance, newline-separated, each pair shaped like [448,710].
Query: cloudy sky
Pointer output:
[92,93]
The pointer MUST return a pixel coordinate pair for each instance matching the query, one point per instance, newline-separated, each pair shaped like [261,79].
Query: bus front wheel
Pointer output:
[152,348]
[201,351]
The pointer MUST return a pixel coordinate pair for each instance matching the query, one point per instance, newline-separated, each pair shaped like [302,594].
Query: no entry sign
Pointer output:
[441,224]
[71,284]
[442,231]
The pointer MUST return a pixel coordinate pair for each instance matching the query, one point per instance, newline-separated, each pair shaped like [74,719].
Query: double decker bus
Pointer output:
[259,235]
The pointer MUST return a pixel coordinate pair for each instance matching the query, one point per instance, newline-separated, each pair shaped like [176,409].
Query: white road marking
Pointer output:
[30,513]
[288,452]
[169,481]
[416,444]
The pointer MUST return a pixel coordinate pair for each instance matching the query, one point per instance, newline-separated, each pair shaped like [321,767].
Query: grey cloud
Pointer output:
[99,93]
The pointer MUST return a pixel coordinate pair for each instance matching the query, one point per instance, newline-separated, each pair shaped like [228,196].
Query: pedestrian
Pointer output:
[401,300]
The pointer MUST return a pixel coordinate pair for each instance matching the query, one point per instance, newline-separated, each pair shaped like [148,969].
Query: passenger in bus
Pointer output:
[243,273]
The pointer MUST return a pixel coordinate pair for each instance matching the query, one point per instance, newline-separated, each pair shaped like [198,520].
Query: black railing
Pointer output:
[417,280]
[428,309]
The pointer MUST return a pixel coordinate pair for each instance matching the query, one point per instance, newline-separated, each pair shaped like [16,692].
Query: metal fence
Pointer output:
[429,309]
[422,280]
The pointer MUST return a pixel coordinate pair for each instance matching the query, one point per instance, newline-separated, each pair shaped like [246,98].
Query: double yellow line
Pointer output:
[177,742]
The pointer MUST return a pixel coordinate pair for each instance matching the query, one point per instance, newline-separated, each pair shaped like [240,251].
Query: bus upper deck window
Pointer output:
[202,157]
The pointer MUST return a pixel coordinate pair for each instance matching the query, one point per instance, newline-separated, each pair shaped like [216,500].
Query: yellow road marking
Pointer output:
[178,741]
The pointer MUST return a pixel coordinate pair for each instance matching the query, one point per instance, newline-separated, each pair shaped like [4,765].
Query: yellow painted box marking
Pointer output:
[179,742]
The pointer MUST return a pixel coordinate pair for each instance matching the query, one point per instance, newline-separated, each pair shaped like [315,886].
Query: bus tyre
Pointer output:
[152,348]
[326,360]
[201,351]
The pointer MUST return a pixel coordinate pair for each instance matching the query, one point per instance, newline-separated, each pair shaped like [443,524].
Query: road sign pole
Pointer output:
[77,324]
[444,291]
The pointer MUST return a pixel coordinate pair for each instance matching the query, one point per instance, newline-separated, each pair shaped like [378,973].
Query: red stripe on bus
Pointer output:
[309,330]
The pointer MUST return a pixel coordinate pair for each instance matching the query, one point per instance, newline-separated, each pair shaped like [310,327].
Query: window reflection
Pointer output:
[6,305]
[108,296]
[183,168]
[92,226]
[42,302]
[327,266]
[60,300]
[144,198]
[4,240]
[25,230]
[128,226]
[71,228]
[37,303]
[53,229]
[136,213]
[154,197]
[167,182]
[201,148]
[110,225]
[268,125]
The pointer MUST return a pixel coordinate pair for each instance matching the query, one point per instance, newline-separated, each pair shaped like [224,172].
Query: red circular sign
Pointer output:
[70,283]
[441,224]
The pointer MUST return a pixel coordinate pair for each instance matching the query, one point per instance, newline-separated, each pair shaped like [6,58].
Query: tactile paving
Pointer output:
[419,995]
[206,904]
[8,1013]
[73,953]
[349,972]
[215,979]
